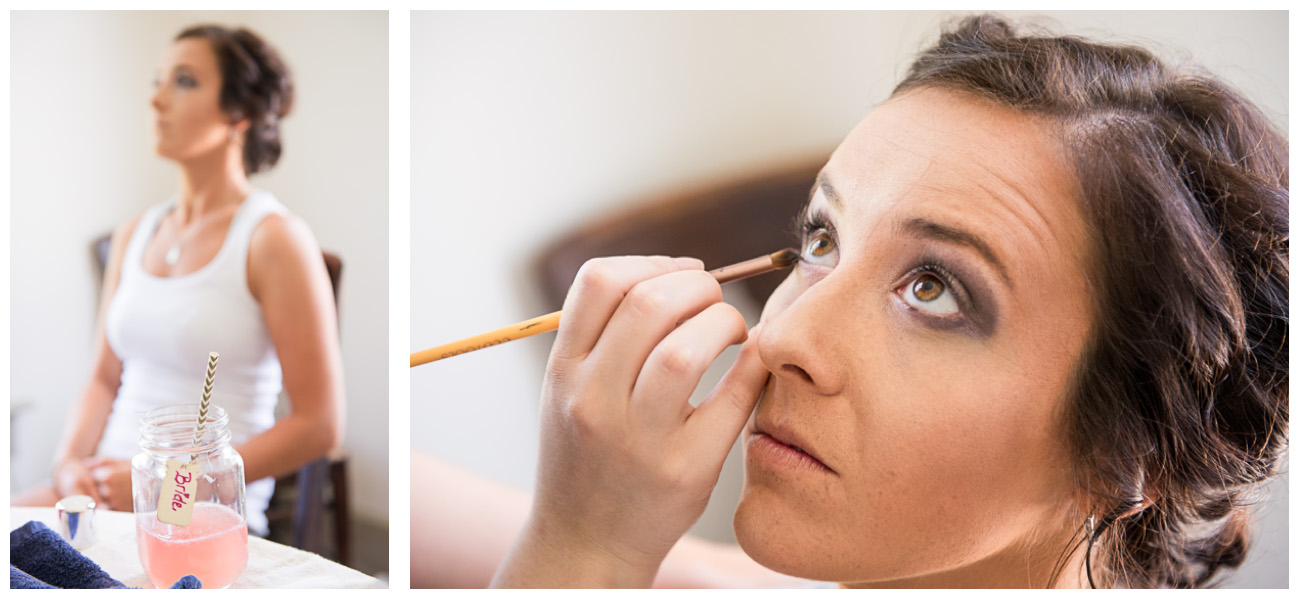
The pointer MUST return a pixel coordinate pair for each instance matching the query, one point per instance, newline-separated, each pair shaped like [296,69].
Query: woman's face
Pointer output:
[187,103]
[921,356]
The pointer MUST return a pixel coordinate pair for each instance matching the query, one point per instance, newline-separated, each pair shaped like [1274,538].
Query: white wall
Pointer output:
[82,161]
[524,126]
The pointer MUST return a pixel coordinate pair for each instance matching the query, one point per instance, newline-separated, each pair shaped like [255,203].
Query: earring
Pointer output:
[1087,556]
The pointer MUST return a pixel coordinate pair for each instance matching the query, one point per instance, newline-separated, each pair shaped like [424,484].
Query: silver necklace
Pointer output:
[173,254]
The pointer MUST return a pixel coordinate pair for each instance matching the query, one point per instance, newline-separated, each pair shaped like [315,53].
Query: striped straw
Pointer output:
[207,399]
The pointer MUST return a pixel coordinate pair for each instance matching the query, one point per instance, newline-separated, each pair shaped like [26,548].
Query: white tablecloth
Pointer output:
[270,565]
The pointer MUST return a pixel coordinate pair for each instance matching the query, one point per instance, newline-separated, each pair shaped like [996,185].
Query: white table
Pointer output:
[270,565]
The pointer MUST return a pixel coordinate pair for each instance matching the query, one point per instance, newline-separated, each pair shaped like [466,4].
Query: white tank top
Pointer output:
[162,329]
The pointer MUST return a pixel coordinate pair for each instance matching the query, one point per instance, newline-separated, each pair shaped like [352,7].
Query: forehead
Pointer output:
[961,161]
[193,53]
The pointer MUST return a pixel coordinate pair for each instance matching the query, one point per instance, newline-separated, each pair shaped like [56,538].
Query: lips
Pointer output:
[783,446]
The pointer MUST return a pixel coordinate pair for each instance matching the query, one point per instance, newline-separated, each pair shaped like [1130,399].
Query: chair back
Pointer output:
[720,223]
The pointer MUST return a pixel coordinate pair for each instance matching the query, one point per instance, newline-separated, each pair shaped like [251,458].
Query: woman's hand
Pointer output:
[113,481]
[627,464]
[72,477]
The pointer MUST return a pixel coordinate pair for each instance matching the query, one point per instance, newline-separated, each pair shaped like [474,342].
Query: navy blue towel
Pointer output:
[41,559]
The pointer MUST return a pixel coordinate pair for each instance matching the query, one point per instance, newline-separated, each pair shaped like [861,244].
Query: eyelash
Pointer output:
[809,222]
[812,221]
[934,267]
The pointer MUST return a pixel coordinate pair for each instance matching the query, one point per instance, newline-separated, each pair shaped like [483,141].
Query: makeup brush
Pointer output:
[783,259]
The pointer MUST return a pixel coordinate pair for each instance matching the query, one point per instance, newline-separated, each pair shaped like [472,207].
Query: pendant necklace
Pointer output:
[173,254]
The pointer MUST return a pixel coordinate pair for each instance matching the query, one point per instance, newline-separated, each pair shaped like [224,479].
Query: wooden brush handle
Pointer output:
[782,259]
[508,333]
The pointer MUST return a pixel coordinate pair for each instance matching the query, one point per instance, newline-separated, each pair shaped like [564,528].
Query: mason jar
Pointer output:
[213,544]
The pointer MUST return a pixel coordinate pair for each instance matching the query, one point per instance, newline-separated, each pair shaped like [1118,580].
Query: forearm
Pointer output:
[462,524]
[293,441]
[86,421]
[544,557]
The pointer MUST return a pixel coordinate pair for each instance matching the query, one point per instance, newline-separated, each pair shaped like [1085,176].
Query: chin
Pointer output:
[783,538]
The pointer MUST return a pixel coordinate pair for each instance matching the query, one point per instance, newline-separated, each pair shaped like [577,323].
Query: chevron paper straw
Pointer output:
[207,399]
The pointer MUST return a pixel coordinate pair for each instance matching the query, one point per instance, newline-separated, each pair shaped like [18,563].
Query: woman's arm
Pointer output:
[89,415]
[287,277]
[626,463]
[462,525]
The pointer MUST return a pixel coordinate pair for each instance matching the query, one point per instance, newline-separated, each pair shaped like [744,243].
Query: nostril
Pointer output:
[797,371]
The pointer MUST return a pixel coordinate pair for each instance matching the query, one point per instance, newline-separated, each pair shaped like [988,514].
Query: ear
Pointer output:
[239,122]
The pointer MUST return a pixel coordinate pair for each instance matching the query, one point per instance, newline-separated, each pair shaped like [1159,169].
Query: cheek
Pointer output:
[198,123]
[198,109]
[957,450]
[961,417]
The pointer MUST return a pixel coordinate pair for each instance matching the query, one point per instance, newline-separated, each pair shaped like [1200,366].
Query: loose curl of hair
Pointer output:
[1180,399]
[255,85]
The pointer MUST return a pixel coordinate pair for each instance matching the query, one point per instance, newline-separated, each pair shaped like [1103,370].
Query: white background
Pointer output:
[525,126]
[82,162]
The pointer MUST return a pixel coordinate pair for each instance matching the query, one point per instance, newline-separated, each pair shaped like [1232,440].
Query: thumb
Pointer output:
[724,412]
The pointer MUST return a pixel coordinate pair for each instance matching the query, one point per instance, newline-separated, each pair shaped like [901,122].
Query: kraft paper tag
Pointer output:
[176,502]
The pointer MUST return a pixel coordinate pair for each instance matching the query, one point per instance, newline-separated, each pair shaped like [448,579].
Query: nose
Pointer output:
[156,101]
[806,339]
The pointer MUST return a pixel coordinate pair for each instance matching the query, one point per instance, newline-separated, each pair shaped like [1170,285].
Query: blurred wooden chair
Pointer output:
[303,498]
[720,223]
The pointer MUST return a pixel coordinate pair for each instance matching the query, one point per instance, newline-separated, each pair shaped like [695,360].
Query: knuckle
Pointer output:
[679,360]
[668,476]
[647,299]
[582,421]
[678,477]
[595,274]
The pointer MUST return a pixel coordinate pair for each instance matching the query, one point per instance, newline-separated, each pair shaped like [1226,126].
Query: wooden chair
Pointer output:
[301,498]
[720,223]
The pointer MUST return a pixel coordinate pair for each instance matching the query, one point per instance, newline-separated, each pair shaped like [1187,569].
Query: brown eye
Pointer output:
[927,288]
[930,293]
[820,245]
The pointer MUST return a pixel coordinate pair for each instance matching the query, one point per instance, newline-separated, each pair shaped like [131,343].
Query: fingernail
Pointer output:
[686,262]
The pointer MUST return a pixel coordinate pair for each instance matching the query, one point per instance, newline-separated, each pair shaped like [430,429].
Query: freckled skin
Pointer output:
[948,459]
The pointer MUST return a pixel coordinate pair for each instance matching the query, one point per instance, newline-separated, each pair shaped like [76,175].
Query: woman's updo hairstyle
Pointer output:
[1181,397]
[255,85]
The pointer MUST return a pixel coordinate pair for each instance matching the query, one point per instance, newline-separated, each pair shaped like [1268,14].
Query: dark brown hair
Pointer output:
[1181,396]
[255,85]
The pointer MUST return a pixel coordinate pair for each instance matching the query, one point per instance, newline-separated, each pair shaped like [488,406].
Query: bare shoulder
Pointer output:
[123,231]
[281,235]
[121,235]
[282,250]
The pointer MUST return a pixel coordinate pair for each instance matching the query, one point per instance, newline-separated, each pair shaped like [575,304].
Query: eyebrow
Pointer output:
[945,233]
[828,190]
[926,229]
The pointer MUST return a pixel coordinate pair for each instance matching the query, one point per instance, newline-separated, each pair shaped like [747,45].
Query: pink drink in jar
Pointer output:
[213,547]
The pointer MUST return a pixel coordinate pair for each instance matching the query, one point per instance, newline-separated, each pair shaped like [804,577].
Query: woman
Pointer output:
[1037,338]
[220,267]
